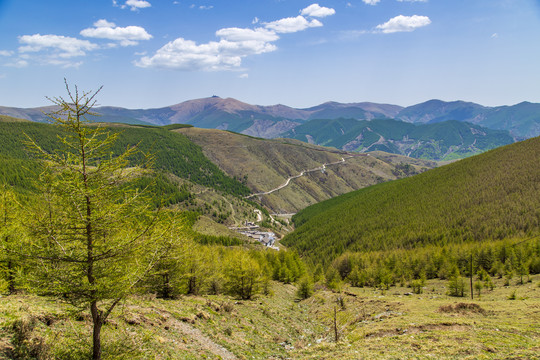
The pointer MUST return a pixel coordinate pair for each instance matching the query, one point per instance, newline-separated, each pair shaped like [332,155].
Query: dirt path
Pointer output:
[304,172]
[204,341]
[168,320]
[233,212]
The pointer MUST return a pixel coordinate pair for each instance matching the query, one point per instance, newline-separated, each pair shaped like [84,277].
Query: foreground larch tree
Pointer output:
[91,239]
[244,276]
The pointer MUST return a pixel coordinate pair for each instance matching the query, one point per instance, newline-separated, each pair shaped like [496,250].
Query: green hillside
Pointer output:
[446,140]
[5,118]
[491,196]
[522,119]
[173,152]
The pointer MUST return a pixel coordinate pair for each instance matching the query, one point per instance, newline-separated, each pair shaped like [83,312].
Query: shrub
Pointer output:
[305,288]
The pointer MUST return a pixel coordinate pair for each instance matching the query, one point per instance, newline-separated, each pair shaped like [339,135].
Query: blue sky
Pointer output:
[155,53]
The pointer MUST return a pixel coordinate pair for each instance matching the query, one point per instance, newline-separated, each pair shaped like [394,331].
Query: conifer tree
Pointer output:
[456,284]
[9,212]
[243,276]
[91,238]
[305,288]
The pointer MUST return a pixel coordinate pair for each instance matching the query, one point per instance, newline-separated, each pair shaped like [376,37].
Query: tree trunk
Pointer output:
[96,335]
[11,277]
[166,291]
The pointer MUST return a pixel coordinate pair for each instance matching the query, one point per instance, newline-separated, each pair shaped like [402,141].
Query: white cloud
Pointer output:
[291,25]
[184,54]
[255,20]
[241,34]
[102,23]
[126,36]
[314,10]
[412,0]
[403,23]
[494,35]
[6,53]
[135,5]
[206,7]
[234,44]
[371,2]
[243,76]
[64,63]
[18,64]
[61,46]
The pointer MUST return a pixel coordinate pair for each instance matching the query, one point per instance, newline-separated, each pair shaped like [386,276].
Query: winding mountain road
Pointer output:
[320,168]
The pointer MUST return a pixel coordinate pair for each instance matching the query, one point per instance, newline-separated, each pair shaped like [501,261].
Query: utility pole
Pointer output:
[336,332]
[471,276]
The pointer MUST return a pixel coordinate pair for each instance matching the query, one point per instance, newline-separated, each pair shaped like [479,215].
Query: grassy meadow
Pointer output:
[371,324]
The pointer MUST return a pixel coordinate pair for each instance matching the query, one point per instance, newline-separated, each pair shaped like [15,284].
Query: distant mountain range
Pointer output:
[521,120]
[446,140]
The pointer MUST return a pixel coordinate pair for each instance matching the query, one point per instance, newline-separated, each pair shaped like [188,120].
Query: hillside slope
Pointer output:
[438,141]
[494,195]
[266,164]
[172,152]
[522,120]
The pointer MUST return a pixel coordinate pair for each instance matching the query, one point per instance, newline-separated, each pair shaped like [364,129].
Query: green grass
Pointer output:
[371,325]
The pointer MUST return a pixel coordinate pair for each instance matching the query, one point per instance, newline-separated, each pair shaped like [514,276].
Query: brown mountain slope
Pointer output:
[267,164]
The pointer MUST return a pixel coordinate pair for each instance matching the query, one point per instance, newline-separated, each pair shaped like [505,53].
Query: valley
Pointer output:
[283,215]
[269,180]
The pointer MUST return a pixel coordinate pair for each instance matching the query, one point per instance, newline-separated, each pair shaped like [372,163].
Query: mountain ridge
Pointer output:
[522,119]
[445,140]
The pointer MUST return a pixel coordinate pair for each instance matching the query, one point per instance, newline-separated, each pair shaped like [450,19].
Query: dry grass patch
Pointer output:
[463,308]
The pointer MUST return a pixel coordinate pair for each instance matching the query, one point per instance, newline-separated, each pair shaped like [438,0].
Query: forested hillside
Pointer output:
[172,152]
[438,141]
[488,197]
